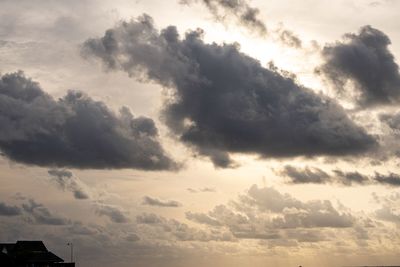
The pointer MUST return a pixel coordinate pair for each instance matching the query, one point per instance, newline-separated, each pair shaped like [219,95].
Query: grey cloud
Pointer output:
[66,181]
[389,134]
[306,175]
[223,101]
[269,199]
[41,215]
[159,203]
[112,212]
[65,21]
[312,175]
[288,37]
[390,207]
[364,59]
[247,16]
[148,218]
[380,3]
[132,237]
[60,173]
[239,9]
[185,233]
[317,214]
[202,218]
[349,178]
[74,131]
[7,210]
[361,233]
[260,236]
[391,179]
[392,120]
[78,228]
[208,189]
[226,216]
[202,190]
[388,214]
[192,190]
[79,194]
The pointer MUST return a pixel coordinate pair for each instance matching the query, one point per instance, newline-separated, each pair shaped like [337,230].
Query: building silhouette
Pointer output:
[29,254]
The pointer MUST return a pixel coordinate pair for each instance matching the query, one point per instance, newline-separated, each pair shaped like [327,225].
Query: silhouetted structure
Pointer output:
[29,254]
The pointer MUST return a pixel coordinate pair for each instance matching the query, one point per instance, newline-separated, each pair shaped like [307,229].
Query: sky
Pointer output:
[202,132]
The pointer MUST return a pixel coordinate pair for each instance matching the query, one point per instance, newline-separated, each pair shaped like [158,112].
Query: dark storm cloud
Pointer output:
[7,210]
[223,101]
[366,60]
[150,201]
[39,214]
[240,9]
[112,212]
[74,131]
[65,180]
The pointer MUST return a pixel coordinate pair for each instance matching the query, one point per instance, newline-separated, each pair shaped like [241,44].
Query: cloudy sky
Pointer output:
[202,132]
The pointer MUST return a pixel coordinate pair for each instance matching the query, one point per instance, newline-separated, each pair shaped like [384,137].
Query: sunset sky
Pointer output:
[172,133]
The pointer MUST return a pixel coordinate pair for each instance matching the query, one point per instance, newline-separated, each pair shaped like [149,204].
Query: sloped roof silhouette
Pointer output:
[36,246]
[28,252]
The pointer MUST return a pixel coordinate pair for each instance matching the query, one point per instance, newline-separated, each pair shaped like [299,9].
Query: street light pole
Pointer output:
[72,251]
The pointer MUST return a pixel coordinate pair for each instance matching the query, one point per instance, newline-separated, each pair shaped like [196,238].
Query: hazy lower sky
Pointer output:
[202,133]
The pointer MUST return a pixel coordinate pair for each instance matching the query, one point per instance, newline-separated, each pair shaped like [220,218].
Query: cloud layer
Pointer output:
[74,131]
[267,214]
[223,101]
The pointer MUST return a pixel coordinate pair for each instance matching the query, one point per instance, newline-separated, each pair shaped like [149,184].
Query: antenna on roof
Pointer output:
[72,251]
